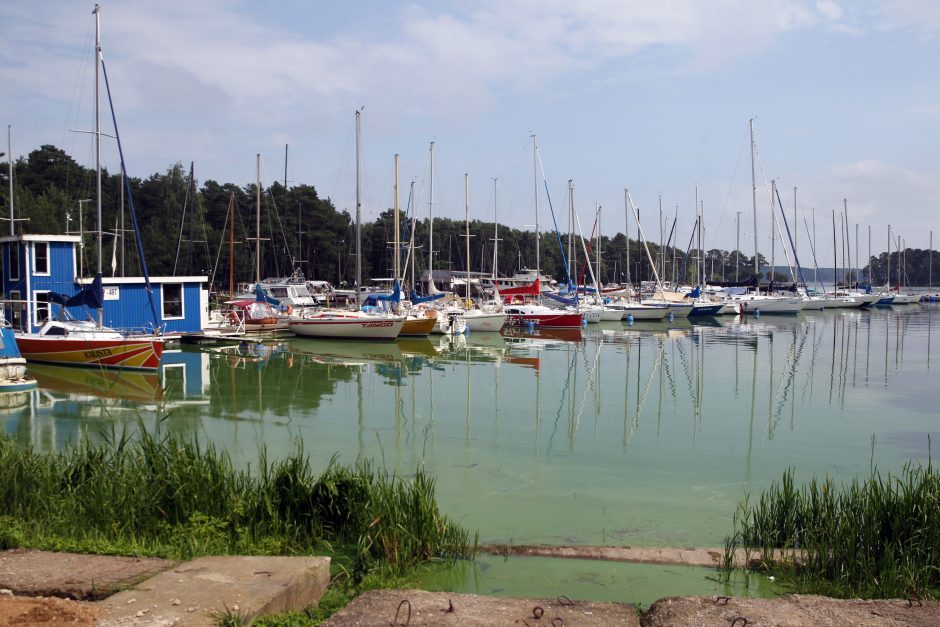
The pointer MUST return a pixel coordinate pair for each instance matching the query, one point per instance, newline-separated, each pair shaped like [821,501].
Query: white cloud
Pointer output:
[921,15]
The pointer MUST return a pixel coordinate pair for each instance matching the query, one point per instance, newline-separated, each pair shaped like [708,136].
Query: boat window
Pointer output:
[41,258]
[172,300]
[55,330]
[14,265]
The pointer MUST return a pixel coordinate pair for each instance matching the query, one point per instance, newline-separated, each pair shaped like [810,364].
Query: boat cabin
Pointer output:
[35,266]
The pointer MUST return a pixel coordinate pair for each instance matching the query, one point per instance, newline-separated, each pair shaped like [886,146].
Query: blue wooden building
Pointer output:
[36,265]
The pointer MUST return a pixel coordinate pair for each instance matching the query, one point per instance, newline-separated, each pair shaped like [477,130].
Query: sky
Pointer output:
[654,97]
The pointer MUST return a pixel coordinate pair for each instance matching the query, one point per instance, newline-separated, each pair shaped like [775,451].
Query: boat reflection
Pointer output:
[93,384]
[560,335]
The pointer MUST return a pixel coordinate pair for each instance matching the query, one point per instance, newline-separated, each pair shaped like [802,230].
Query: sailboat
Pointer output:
[349,325]
[66,340]
[477,318]
[533,314]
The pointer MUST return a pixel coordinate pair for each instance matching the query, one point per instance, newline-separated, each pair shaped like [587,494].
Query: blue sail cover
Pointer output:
[91,297]
[560,299]
[394,297]
[695,293]
[417,300]
[261,297]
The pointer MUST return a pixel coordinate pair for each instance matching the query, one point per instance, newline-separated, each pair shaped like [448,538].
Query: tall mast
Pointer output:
[754,199]
[662,251]
[848,242]
[97,13]
[773,231]
[358,221]
[396,261]
[796,235]
[626,230]
[737,248]
[431,218]
[571,265]
[411,243]
[495,233]
[231,245]
[258,217]
[466,219]
[835,259]
[535,180]
[888,264]
[10,174]
[598,252]
[570,227]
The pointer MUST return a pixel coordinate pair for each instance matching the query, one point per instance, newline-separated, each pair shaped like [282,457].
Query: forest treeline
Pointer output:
[185,230]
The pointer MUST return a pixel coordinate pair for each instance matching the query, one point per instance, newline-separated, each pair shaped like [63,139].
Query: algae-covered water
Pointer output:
[643,435]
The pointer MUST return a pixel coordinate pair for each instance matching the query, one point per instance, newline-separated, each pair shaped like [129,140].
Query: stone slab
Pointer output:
[795,610]
[195,592]
[28,572]
[690,556]
[419,607]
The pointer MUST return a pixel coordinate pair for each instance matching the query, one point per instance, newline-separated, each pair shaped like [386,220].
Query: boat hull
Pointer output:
[485,322]
[560,320]
[348,328]
[127,353]
[418,327]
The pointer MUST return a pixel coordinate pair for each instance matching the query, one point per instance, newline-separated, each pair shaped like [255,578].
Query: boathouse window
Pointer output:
[15,315]
[14,272]
[42,310]
[41,258]
[172,300]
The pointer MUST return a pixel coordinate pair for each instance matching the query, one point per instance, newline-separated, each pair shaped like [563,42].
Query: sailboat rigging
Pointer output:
[85,343]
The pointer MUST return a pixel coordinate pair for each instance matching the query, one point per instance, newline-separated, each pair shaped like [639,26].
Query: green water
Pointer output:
[643,435]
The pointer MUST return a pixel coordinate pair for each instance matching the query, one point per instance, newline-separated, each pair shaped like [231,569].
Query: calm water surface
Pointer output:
[647,434]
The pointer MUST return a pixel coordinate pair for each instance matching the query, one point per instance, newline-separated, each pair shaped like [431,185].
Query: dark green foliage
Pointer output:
[297,226]
[877,538]
[145,494]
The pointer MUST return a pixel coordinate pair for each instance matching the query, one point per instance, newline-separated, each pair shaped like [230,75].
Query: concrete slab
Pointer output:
[194,591]
[27,572]
[692,556]
[419,607]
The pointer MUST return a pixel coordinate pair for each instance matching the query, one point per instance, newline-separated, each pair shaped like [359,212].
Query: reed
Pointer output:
[161,495]
[874,538]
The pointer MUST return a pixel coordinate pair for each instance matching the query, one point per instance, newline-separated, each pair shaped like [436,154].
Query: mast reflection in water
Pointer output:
[638,435]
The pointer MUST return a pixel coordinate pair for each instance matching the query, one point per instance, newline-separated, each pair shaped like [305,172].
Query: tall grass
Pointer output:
[161,495]
[876,538]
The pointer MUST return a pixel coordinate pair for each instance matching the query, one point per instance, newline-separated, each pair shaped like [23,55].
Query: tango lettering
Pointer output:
[377,325]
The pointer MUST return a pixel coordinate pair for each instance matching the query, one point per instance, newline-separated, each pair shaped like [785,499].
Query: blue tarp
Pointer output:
[417,300]
[91,296]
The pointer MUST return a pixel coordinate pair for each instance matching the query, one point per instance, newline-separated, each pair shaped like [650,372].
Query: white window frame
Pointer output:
[36,271]
[163,301]
[41,306]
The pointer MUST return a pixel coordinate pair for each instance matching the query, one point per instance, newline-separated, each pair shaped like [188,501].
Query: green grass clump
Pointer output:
[147,494]
[877,538]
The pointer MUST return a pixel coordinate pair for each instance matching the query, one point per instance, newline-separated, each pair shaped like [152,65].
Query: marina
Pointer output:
[615,435]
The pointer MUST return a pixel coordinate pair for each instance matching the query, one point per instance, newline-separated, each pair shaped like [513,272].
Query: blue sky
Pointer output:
[650,96]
